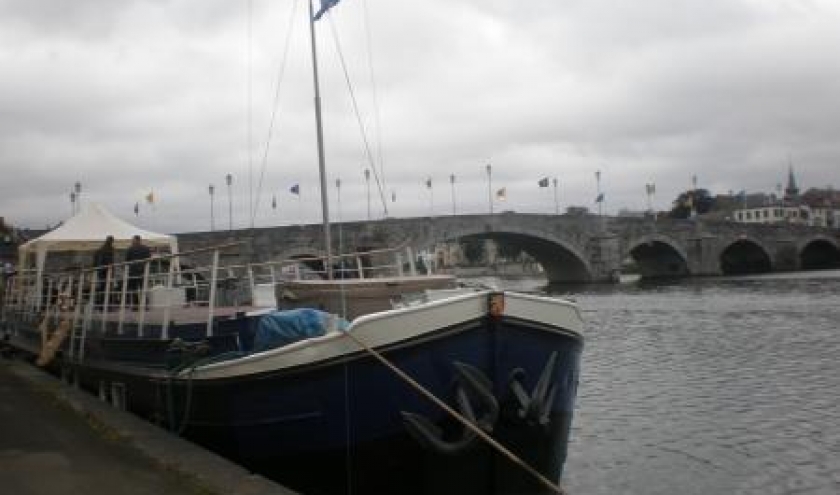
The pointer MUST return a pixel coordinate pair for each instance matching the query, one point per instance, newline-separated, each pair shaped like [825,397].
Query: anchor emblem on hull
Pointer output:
[535,407]
[475,401]
[472,385]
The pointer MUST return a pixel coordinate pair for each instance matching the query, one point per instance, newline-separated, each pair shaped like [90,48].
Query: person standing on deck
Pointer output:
[102,259]
[136,253]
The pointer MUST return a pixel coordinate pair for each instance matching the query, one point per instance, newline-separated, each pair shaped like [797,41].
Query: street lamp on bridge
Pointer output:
[452,185]
[338,194]
[693,196]
[650,190]
[490,187]
[229,181]
[212,190]
[367,183]
[78,189]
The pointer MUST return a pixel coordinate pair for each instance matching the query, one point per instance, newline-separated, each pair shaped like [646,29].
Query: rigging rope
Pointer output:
[377,128]
[368,153]
[274,108]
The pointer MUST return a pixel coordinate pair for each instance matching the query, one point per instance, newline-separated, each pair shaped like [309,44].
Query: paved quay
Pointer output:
[55,439]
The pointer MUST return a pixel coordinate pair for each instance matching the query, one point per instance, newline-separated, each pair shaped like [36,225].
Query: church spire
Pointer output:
[791,191]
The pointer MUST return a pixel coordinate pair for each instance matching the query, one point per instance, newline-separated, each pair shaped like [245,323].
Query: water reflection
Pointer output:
[714,385]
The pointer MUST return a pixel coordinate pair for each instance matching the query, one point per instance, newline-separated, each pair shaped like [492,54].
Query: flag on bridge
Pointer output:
[501,194]
[136,208]
[325,6]
[429,182]
[543,182]
[295,189]
[600,198]
[150,198]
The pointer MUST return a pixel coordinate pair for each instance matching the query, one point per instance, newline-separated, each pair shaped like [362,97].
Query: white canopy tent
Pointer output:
[86,231]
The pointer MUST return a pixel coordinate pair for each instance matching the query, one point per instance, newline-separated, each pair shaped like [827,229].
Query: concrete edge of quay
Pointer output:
[209,471]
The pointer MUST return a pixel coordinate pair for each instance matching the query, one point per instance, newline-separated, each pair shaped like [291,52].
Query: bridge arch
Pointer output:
[819,252]
[744,255]
[658,256]
[562,261]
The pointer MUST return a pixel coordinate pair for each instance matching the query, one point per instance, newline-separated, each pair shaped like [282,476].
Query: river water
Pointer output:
[707,386]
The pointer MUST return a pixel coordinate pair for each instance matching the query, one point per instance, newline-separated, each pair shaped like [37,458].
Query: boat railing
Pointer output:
[129,298]
[262,277]
[113,297]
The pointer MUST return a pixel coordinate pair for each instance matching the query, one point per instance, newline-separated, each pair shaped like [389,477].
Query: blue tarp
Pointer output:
[280,328]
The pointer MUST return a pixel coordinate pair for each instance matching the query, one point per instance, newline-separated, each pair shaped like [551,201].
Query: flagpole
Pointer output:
[600,200]
[490,187]
[78,189]
[598,190]
[212,213]
[431,197]
[693,196]
[452,184]
[367,183]
[229,181]
[322,167]
[556,203]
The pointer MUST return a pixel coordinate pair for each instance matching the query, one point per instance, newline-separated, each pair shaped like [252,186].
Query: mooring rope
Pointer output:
[554,487]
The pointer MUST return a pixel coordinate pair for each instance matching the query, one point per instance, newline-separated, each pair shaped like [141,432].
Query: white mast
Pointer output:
[322,168]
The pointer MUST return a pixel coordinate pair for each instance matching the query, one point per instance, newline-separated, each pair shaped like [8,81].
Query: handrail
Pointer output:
[159,257]
[107,291]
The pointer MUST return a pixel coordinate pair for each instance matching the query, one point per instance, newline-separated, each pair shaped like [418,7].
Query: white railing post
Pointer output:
[412,268]
[106,298]
[88,319]
[360,267]
[399,262]
[164,331]
[49,293]
[211,304]
[142,309]
[77,310]
[69,290]
[251,283]
[123,294]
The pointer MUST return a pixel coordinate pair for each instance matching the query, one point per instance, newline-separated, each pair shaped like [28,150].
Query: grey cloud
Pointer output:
[132,96]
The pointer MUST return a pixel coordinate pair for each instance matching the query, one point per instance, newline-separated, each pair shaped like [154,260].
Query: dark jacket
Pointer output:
[137,252]
[104,255]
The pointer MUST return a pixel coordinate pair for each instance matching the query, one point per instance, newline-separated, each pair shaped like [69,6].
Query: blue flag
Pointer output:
[295,189]
[325,6]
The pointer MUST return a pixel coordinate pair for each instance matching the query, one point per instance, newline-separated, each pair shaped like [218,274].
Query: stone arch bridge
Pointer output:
[584,248]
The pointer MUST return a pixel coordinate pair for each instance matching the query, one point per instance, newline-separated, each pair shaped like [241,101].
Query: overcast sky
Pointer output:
[133,96]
